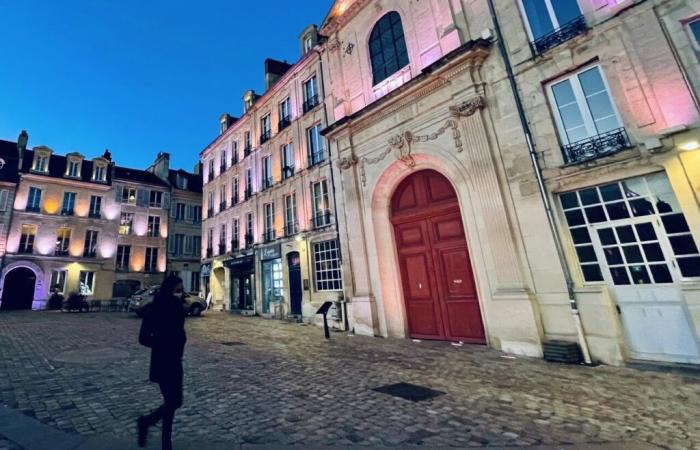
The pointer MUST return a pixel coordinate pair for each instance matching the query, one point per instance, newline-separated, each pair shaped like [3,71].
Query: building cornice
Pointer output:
[341,13]
[64,181]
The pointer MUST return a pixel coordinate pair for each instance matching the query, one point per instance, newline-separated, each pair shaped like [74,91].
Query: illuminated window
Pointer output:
[129,195]
[90,249]
[153,226]
[62,241]
[126,223]
[327,271]
[99,173]
[34,200]
[269,225]
[387,47]
[320,205]
[73,169]
[95,206]
[123,257]
[58,280]
[315,145]
[290,215]
[87,282]
[41,163]
[68,204]
[151,259]
[310,94]
[26,240]
[156,199]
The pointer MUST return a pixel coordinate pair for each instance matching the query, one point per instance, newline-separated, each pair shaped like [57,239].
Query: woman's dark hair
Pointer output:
[167,288]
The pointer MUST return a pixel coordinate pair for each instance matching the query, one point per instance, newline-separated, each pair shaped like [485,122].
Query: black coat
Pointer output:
[163,330]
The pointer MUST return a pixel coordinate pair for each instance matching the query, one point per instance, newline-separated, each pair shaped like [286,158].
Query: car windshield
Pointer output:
[140,291]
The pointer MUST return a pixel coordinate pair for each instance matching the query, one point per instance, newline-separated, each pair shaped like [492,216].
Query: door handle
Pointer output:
[458,281]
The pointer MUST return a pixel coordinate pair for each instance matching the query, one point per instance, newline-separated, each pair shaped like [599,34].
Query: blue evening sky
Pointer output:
[138,76]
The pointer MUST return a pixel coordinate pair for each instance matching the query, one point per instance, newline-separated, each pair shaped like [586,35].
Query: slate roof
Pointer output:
[194,181]
[8,152]
[58,165]
[138,176]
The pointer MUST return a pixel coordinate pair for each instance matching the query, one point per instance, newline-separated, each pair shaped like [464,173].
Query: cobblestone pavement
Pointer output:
[249,380]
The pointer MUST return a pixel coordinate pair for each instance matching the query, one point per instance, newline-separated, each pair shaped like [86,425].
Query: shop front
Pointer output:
[242,287]
[272,281]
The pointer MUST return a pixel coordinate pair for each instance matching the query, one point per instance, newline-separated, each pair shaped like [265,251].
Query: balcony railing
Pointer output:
[122,268]
[249,240]
[222,249]
[234,200]
[596,146]
[234,158]
[310,103]
[67,212]
[265,136]
[211,175]
[287,172]
[235,245]
[247,150]
[210,212]
[316,157]
[60,252]
[284,123]
[248,193]
[90,253]
[94,215]
[560,35]
[25,249]
[222,206]
[290,229]
[210,252]
[267,183]
[32,208]
[269,236]
[222,168]
[321,219]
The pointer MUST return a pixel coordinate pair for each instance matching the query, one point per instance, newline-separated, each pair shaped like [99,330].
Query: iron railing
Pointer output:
[234,158]
[562,34]
[234,200]
[249,240]
[268,236]
[265,136]
[222,249]
[248,193]
[235,245]
[267,183]
[291,228]
[321,219]
[596,146]
[222,206]
[67,212]
[316,157]
[283,123]
[247,150]
[310,103]
[287,172]
[210,252]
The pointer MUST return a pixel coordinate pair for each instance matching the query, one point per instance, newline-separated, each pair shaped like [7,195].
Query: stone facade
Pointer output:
[269,216]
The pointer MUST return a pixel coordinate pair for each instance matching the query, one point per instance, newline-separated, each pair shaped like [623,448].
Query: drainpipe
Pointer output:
[346,324]
[540,183]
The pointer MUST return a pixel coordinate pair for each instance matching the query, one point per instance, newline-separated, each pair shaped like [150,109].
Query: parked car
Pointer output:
[141,302]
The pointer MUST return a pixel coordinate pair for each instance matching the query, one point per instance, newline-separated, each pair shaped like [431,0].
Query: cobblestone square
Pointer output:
[253,381]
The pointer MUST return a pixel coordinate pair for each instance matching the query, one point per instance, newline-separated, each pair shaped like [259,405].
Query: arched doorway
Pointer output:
[436,273]
[18,289]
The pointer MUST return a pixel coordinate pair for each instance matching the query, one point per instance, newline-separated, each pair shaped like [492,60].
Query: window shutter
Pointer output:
[190,212]
[142,197]
[166,200]
[119,190]
[4,194]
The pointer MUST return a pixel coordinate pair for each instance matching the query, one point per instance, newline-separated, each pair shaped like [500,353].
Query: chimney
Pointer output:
[197,169]
[161,166]
[274,70]
[22,142]
[107,155]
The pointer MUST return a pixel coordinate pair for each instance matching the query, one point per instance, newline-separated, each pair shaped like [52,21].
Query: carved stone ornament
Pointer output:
[469,107]
[347,162]
[401,145]
[334,44]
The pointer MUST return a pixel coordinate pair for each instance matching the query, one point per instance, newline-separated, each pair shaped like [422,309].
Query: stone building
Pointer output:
[610,96]
[185,221]
[9,176]
[269,238]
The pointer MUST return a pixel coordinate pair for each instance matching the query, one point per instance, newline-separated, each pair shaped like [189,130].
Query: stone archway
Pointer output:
[439,289]
[18,289]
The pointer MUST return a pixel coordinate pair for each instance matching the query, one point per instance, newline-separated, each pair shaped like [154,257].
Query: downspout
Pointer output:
[540,183]
[346,324]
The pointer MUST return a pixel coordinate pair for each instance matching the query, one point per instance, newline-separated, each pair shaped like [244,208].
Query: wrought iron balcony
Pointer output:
[287,172]
[60,252]
[210,252]
[596,146]
[310,103]
[284,123]
[560,35]
[210,212]
[222,206]
[249,240]
[265,136]
[67,212]
[234,200]
[316,157]
[211,175]
[32,208]
[269,236]
[267,183]
[248,193]
[90,253]
[321,220]
[234,157]
[235,245]
[122,268]
[247,150]
[292,228]
[25,249]
[222,168]
[222,249]
[94,215]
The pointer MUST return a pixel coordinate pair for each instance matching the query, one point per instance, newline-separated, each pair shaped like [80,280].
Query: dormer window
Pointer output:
[181,182]
[99,173]
[73,169]
[41,162]
[308,43]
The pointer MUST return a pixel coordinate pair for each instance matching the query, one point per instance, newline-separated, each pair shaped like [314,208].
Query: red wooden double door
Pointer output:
[436,273]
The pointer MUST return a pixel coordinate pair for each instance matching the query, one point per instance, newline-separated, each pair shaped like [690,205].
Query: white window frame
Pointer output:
[285,110]
[126,223]
[86,282]
[313,82]
[29,239]
[95,200]
[71,197]
[98,173]
[150,262]
[123,260]
[91,239]
[322,251]
[235,232]
[36,198]
[269,225]
[266,125]
[41,163]
[552,16]
[129,193]
[73,168]
[155,199]
[63,239]
[58,276]
[153,229]
[323,196]
[588,120]
[250,226]
[290,212]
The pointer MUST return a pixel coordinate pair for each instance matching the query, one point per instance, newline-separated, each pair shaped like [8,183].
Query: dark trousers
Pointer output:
[172,400]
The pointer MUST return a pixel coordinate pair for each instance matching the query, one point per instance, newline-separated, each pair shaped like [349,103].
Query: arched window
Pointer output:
[387,47]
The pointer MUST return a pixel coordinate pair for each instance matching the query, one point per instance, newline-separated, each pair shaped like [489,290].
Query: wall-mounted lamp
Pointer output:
[689,145]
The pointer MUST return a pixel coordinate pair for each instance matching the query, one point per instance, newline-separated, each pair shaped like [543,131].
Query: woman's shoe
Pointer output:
[142,426]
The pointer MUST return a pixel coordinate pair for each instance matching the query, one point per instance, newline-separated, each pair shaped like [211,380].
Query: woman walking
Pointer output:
[163,330]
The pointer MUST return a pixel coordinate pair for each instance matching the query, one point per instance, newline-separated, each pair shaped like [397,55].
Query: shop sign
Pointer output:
[272,252]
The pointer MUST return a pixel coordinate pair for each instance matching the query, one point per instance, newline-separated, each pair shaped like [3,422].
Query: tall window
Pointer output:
[181,182]
[90,249]
[176,244]
[156,199]
[58,280]
[210,204]
[99,173]
[126,223]
[210,238]
[41,163]
[222,239]
[287,161]
[4,199]
[234,152]
[234,191]
[222,160]
[196,214]
[290,215]
[87,282]
[235,234]
[95,206]
[321,204]
[310,94]
[73,169]
[123,257]
[34,200]
[269,231]
[327,271]
[194,281]
[180,211]
[284,113]
[248,143]
[68,204]
[196,245]
[26,240]
[153,226]
[249,238]
[248,183]
[693,28]
[267,179]
[62,241]
[583,107]
[546,16]
[315,145]
[387,47]
[129,195]
[151,259]
[222,197]
[265,129]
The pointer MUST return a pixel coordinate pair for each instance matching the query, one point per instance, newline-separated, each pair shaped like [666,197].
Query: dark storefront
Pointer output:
[242,291]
